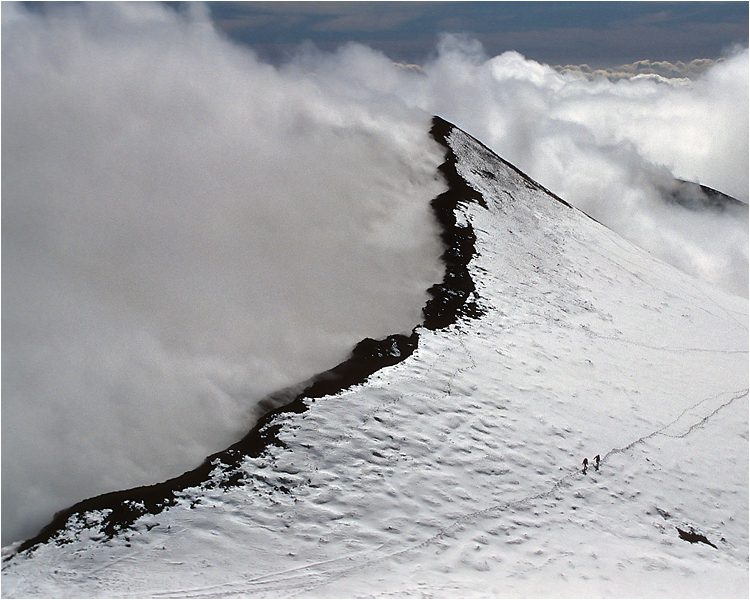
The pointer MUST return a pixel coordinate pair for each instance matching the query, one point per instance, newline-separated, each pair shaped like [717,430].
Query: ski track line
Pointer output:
[612,338]
[704,419]
[297,580]
[663,348]
[266,580]
[729,314]
[740,394]
[112,562]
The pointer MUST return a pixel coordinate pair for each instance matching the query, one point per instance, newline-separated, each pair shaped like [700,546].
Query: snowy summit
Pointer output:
[569,420]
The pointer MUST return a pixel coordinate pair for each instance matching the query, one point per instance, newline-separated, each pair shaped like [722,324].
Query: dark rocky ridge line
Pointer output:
[452,299]
[452,296]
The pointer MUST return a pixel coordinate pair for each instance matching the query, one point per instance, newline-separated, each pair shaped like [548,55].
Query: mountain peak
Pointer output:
[454,455]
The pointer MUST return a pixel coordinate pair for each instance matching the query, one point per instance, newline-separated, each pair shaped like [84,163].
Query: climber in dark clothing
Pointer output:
[596,462]
[585,465]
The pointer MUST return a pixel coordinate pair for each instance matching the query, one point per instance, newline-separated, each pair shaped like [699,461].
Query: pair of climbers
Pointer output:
[586,464]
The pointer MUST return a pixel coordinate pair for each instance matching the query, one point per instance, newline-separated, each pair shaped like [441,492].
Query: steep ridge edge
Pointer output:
[452,299]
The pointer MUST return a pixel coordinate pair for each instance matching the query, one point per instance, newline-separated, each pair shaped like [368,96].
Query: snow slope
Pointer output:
[455,469]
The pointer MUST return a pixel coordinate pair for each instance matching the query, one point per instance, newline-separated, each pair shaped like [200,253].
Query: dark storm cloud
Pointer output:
[597,33]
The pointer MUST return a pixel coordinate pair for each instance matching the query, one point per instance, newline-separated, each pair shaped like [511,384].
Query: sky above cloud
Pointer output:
[600,34]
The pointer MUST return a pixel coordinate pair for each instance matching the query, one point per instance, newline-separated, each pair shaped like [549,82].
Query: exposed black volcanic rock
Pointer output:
[452,299]
[693,537]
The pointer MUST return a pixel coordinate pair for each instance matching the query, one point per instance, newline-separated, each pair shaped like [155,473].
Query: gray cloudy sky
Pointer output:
[601,34]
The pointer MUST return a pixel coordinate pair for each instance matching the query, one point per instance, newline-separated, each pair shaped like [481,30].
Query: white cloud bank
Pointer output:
[186,229]
[606,146]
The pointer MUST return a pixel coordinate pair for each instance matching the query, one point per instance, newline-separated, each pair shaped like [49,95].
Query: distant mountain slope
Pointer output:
[694,196]
[448,462]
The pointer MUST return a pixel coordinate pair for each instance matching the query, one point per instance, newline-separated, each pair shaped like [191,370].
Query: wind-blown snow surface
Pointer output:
[457,471]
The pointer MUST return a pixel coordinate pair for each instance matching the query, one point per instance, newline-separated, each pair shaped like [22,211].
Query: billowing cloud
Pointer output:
[186,228]
[608,146]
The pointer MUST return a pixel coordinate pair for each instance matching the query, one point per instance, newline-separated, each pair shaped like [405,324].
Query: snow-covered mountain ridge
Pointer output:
[447,463]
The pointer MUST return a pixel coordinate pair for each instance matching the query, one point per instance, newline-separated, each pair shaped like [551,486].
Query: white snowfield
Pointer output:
[458,472]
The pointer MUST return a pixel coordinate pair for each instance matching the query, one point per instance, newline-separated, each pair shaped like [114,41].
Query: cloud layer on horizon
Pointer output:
[662,68]
[187,228]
